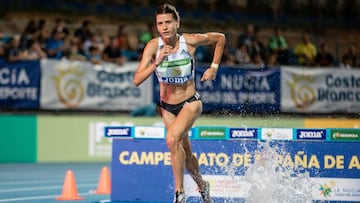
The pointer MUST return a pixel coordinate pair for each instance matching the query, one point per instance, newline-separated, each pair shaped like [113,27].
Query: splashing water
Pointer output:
[267,181]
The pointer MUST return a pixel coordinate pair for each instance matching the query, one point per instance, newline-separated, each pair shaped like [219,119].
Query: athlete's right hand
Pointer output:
[164,52]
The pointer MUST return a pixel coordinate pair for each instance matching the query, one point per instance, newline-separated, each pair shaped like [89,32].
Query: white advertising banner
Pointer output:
[323,189]
[82,85]
[320,90]
[336,189]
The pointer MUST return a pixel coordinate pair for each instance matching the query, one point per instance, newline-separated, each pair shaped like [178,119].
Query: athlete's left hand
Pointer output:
[209,74]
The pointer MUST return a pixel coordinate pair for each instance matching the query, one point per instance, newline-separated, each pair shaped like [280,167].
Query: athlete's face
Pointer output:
[166,25]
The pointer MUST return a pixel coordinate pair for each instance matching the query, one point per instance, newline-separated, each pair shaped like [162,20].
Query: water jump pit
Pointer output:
[242,164]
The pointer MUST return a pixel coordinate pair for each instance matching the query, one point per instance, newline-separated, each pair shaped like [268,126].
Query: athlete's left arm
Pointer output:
[210,38]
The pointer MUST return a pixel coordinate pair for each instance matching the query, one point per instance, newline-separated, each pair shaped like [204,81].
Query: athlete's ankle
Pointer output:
[179,197]
[203,185]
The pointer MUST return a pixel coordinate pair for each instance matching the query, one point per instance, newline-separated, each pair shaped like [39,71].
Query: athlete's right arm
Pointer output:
[148,61]
[145,67]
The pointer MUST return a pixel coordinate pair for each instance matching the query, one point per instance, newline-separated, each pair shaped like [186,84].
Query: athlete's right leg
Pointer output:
[177,153]
[177,128]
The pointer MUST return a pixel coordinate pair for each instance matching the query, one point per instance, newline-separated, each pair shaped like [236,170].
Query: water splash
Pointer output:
[268,181]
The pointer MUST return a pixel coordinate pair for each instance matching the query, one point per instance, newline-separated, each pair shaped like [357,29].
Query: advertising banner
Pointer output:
[237,89]
[2,62]
[240,167]
[320,90]
[83,85]
[20,85]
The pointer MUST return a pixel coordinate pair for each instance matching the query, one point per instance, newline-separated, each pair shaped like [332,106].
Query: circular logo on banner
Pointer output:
[69,88]
[301,92]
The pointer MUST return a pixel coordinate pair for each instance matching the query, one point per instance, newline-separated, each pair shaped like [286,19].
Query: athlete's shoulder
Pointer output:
[191,35]
[152,45]
[193,38]
[153,42]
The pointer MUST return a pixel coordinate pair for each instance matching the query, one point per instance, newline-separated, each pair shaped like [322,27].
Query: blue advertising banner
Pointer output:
[20,85]
[240,169]
[237,89]
[2,62]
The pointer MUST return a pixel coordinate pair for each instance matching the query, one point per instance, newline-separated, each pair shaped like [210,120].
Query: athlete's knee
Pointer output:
[172,141]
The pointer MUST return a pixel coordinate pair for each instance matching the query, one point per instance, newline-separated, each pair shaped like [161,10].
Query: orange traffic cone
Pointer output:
[69,190]
[104,185]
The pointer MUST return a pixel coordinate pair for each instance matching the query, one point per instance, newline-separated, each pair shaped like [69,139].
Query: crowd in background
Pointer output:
[43,39]
[251,51]
[40,40]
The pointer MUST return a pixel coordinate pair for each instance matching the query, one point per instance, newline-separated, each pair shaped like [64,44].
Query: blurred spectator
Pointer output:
[2,51]
[351,59]
[28,33]
[131,48]
[95,55]
[60,26]
[324,58]
[34,51]
[75,51]
[277,45]
[1,37]
[41,24]
[305,51]
[89,42]
[55,45]
[146,35]
[95,40]
[272,61]
[242,55]
[257,61]
[346,63]
[112,53]
[121,36]
[84,32]
[247,37]
[228,59]
[42,37]
[13,52]
[258,48]
[102,39]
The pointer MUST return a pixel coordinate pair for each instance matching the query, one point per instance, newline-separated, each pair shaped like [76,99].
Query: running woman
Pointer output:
[171,57]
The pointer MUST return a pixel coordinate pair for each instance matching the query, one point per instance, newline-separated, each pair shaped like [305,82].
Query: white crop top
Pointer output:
[176,68]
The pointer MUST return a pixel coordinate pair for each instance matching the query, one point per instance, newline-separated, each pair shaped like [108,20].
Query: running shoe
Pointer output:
[205,193]
[179,197]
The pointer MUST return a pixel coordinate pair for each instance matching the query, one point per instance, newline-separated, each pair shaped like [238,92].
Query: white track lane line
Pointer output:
[24,182]
[42,188]
[38,197]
